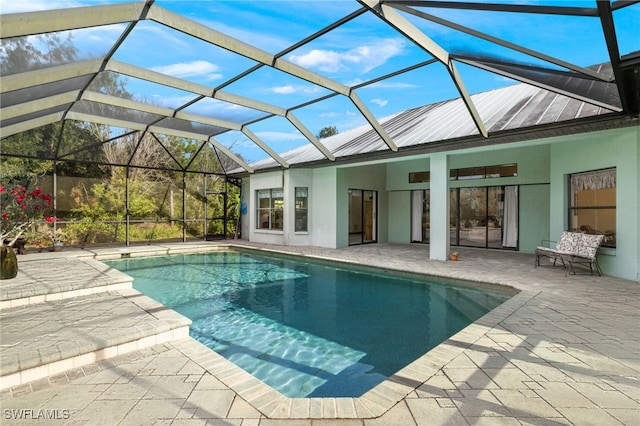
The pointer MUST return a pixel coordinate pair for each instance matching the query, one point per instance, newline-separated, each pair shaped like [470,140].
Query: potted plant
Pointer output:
[57,238]
[454,256]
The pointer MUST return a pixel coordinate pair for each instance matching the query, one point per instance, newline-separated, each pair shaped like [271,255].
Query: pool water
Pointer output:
[307,329]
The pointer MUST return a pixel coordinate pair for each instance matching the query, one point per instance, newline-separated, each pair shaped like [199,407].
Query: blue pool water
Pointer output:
[305,329]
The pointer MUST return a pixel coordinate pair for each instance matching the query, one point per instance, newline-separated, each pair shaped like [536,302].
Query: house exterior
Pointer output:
[565,176]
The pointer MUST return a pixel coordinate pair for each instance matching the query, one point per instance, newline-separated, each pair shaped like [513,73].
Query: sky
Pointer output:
[359,51]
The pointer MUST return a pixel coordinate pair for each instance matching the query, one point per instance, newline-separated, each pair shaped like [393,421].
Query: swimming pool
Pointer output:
[308,329]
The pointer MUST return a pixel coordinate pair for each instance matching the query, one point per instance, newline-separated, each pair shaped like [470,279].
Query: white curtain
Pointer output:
[600,179]
[416,215]
[510,223]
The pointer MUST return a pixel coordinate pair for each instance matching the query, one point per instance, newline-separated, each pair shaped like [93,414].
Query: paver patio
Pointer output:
[566,350]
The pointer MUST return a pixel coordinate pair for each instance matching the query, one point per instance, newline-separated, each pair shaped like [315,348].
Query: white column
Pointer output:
[439,204]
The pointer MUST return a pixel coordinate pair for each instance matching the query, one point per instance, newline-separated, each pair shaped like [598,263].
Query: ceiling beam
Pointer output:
[38,105]
[23,126]
[372,121]
[501,42]
[517,77]
[500,7]
[98,119]
[231,155]
[310,136]
[33,78]
[393,18]
[48,21]
[265,147]
[239,47]
[609,30]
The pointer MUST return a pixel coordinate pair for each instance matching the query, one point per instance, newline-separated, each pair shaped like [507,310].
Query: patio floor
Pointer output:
[77,344]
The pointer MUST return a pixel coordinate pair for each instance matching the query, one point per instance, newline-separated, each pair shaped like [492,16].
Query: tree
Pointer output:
[22,54]
[327,131]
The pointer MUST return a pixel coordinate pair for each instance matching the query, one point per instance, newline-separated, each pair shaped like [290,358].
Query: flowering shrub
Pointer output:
[20,209]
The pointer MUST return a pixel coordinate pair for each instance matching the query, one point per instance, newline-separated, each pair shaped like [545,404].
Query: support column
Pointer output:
[127,203]
[439,204]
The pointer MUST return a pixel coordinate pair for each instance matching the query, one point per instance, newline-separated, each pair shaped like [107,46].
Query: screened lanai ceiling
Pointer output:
[257,79]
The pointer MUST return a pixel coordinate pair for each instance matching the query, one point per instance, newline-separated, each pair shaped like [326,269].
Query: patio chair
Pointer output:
[573,248]
[587,254]
[568,243]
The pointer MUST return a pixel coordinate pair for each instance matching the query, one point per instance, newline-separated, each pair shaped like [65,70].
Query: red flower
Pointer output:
[50,219]
[20,209]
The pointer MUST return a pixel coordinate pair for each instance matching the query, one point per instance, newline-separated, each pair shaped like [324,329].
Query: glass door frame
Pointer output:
[363,216]
[456,220]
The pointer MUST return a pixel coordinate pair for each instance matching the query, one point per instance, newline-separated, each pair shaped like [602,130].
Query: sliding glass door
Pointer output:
[420,221]
[485,217]
[479,217]
[363,227]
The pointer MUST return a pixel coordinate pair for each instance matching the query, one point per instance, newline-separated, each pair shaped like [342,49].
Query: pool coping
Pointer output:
[373,403]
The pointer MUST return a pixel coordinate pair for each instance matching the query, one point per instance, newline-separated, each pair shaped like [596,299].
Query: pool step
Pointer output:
[49,338]
[44,278]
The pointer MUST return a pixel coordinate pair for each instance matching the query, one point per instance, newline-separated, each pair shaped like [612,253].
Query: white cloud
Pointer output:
[13,6]
[290,90]
[362,58]
[284,90]
[191,69]
[392,85]
[279,136]
[380,102]
[330,115]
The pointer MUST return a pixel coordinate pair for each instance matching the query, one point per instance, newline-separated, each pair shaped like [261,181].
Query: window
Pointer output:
[485,172]
[469,173]
[417,177]
[592,206]
[302,199]
[270,204]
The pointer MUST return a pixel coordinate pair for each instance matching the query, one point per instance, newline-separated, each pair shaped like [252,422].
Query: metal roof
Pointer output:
[53,87]
[514,107]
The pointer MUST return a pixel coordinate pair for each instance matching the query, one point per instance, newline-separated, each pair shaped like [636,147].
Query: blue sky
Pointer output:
[359,51]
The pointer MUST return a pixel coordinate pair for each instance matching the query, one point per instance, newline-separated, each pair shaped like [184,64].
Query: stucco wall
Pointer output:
[598,150]
[323,204]
[533,179]
[543,167]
